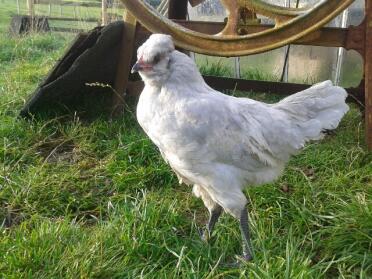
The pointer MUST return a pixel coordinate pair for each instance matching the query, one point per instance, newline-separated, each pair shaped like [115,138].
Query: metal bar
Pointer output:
[284,76]
[192,56]
[164,9]
[349,38]
[341,51]
[67,30]
[222,83]
[104,12]
[237,66]
[72,3]
[73,19]
[248,44]
[368,74]
[257,86]
[161,5]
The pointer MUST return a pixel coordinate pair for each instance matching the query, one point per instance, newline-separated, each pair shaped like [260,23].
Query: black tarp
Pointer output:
[92,58]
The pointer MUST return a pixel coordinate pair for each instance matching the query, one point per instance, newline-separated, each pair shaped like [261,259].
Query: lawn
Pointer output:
[94,199]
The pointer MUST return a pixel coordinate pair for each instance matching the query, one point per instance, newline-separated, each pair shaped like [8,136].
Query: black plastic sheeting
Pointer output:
[91,59]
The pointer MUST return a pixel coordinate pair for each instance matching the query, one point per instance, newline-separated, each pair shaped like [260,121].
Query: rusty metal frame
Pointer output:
[349,38]
[235,45]
[356,94]
[358,38]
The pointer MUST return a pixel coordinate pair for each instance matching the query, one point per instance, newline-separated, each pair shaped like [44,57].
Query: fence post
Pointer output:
[50,8]
[104,12]
[124,63]
[30,7]
[18,9]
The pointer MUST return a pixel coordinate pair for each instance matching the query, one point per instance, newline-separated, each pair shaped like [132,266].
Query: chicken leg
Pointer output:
[246,240]
[215,213]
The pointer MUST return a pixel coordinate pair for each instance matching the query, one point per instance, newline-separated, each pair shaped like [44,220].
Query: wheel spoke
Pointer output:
[287,31]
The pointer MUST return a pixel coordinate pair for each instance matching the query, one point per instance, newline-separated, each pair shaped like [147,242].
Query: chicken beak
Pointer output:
[136,67]
[141,66]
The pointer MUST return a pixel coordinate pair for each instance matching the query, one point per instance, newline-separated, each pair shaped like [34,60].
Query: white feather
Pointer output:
[222,143]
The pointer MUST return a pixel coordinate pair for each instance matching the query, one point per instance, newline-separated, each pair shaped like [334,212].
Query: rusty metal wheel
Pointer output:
[291,25]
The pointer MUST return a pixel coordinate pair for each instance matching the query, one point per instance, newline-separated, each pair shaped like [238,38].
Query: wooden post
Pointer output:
[368,74]
[30,7]
[104,13]
[50,8]
[18,9]
[124,65]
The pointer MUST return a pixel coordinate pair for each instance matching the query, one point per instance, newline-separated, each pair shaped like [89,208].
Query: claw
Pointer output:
[205,236]
[244,229]
[213,218]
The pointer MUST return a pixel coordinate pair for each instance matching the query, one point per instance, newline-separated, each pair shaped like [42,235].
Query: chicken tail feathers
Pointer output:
[315,110]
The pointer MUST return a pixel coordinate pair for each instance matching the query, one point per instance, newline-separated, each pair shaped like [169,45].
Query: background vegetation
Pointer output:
[94,199]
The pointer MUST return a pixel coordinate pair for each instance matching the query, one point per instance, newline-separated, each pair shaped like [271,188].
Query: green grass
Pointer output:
[95,199]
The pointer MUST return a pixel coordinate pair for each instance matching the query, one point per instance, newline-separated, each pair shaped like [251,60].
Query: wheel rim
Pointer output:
[298,23]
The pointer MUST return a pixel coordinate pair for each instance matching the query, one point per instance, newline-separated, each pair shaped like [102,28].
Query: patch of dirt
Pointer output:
[285,187]
[310,173]
[10,216]
[59,150]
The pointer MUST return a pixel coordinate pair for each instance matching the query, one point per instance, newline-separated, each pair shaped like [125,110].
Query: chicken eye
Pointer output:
[156,58]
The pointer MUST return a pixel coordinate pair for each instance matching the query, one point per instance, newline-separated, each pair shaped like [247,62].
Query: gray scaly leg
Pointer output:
[213,218]
[244,229]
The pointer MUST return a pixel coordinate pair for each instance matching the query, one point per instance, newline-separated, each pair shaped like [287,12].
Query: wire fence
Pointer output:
[73,15]
[307,64]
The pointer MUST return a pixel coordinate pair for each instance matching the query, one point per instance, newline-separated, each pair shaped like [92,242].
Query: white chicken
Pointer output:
[221,144]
